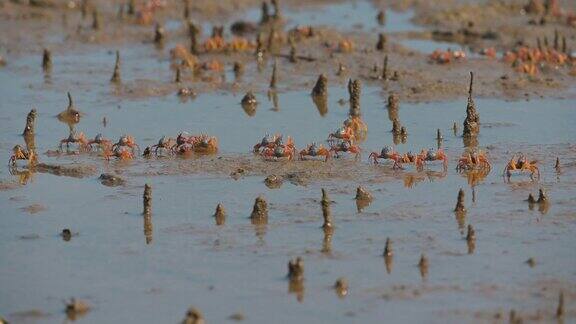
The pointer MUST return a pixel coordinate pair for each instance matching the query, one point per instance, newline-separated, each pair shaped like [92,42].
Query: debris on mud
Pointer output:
[76,308]
[111,180]
[260,211]
[74,170]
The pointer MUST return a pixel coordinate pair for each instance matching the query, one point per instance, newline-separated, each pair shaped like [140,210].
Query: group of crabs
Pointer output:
[274,147]
[126,147]
[340,141]
[343,139]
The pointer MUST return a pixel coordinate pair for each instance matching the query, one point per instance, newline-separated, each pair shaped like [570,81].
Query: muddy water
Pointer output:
[345,16]
[241,268]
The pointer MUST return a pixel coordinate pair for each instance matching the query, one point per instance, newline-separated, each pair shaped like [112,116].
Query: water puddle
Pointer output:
[345,16]
[121,262]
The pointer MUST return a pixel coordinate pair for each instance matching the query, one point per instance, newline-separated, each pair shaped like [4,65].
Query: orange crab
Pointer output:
[473,161]
[429,156]
[279,150]
[121,152]
[20,153]
[126,141]
[346,146]
[240,44]
[522,164]
[445,57]
[267,142]
[388,153]
[74,138]
[145,15]
[213,65]
[164,143]
[489,52]
[205,144]
[344,133]
[345,46]
[314,150]
[358,126]
[213,44]
[100,141]
[184,142]
[181,53]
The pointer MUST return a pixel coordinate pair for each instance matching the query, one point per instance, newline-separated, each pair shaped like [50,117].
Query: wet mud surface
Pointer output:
[76,244]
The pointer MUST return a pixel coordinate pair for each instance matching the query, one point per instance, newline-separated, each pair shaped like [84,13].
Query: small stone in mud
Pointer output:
[193,316]
[460,203]
[321,87]
[341,287]
[238,70]
[220,215]
[111,180]
[542,198]
[249,99]
[76,308]
[238,173]
[273,181]
[388,248]
[363,194]
[237,317]
[66,234]
[531,262]
[186,93]
[260,211]
[296,269]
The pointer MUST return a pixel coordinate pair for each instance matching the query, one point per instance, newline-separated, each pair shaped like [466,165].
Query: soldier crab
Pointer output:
[521,163]
[20,153]
[346,146]
[314,150]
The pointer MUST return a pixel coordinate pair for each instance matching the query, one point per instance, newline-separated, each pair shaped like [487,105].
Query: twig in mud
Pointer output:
[116,74]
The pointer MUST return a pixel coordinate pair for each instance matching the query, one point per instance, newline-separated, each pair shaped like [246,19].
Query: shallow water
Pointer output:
[345,16]
[241,268]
